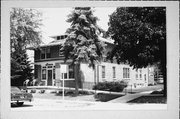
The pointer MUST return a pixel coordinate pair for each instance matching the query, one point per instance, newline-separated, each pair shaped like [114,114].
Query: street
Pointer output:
[51,104]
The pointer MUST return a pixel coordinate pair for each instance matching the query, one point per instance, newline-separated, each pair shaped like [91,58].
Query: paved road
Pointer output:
[51,104]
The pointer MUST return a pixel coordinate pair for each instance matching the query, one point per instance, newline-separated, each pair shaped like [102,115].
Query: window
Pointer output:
[60,51]
[103,71]
[145,77]
[126,73]
[44,74]
[114,72]
[140,75]
[71,71]
[54,74]
[67,72]
[43,50]
[45,53]
[136,76]
[48,53]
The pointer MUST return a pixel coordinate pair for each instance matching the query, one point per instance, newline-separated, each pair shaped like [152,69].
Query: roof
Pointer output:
[61,41]
[54,43]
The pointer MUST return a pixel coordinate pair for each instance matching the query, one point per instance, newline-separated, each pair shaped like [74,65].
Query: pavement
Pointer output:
[51,104]
[129,97]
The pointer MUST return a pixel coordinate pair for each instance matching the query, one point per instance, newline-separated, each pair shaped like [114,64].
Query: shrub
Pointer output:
[111,86]
[33,91]
[42,91]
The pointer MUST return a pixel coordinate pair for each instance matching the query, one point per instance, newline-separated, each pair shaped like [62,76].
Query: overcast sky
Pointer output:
[54,20]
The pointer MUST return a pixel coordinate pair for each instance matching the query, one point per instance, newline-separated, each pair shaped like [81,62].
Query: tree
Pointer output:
[21,68]
[24,30]
[140,37]
[82,43]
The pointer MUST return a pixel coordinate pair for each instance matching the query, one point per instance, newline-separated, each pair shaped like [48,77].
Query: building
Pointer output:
[51,70]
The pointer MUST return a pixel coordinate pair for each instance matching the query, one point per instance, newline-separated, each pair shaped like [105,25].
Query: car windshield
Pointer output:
[15,90]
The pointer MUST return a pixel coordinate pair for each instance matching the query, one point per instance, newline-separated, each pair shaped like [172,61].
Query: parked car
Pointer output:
[18,97]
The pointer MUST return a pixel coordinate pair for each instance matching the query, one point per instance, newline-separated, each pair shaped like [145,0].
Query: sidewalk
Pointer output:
[129,97]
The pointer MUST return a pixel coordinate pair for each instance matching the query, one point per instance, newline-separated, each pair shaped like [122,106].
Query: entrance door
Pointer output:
[49,82]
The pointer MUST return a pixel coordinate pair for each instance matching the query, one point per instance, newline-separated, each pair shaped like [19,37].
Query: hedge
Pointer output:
[111,86]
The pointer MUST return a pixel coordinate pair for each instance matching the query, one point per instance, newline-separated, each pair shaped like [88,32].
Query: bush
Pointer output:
[33,91]
[111,86]
[42,91]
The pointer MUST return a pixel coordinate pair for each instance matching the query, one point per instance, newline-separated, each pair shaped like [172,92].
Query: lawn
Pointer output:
[150,99]
[81,97]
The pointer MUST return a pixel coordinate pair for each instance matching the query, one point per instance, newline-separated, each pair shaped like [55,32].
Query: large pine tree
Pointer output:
[83,44]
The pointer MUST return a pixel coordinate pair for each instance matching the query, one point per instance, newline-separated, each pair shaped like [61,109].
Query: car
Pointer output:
[18,97]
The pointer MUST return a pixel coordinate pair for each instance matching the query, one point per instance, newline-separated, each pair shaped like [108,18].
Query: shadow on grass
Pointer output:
[106,97]
[149,99]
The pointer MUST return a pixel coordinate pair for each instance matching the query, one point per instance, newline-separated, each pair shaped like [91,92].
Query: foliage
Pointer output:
[83,44]
[21,68]
[24,31]
[140,37]
[139,34]
[24,28]
[110,86]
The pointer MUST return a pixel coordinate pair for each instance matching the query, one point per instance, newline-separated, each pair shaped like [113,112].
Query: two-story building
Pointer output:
[51,70]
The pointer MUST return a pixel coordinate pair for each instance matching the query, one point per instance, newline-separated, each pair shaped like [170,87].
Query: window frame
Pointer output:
[103,72]
[126,73]
[114,72]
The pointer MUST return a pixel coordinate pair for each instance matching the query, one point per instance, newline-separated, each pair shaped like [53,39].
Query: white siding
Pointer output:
[88,74]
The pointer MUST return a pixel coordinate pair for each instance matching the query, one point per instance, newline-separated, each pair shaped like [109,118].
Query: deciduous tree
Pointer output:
[24,30]
[140,36]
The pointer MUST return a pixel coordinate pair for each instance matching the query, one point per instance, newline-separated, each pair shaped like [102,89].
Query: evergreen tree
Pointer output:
[83,44]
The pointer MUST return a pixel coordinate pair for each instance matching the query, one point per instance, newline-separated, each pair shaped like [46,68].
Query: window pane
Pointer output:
[65,75]
[126,73]
[103,71]
[43,53]
[44,74]
[114,72]
[54,74]
[71,71]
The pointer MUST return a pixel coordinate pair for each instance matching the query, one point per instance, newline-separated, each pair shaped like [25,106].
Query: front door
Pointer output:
[49,82]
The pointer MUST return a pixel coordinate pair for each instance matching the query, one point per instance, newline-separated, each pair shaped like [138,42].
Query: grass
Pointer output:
[150,99]
[105,97]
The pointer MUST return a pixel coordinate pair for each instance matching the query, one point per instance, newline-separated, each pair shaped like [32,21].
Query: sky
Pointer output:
[54,20]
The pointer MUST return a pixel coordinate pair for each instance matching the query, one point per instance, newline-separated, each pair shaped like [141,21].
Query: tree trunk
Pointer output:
[77,78]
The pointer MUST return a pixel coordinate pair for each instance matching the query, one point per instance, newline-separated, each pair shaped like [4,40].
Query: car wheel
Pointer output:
[20,103]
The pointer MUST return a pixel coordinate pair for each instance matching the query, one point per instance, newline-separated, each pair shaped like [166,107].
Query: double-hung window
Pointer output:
[103,72]
[114,72]
[43,74]
[126,73]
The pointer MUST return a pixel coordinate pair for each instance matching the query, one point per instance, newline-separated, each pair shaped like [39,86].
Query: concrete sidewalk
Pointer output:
[128,97]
